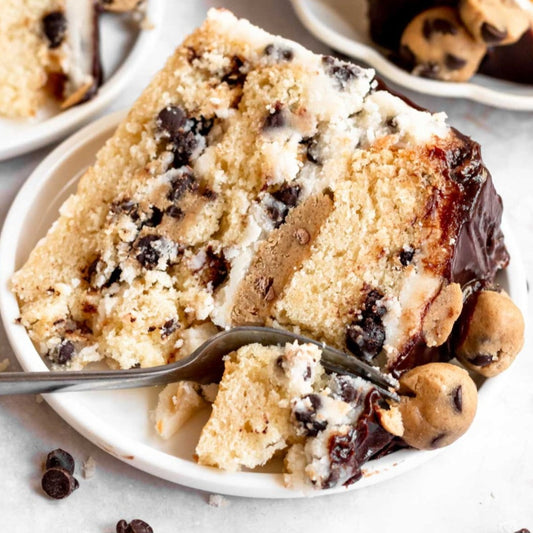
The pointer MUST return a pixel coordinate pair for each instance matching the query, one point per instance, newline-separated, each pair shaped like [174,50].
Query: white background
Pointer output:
[481,484]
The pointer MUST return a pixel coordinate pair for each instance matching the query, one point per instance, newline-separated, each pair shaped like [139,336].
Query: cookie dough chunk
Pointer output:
[491,333]
[438,404]
[494,22]
[438,46]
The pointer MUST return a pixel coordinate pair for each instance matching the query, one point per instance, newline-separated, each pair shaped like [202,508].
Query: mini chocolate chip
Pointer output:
[458,398]
[65,352]
[481,360]
[202,126]
[436,441]
[215,269]
[279,53]
[280,362]
[342,72]
[392,124]
[346,390]
[55,28]
[135,526]
[186,182]
[209,194]
[147,255]
[453,62]
[306,416]
[428,70]
[169,327]
[288,194]
[155,217]
[60,459]
[174,212]
[312,152]
[58,483]
[491,35]
[151,329]
[114,277]
[308,373]
[302,236]
[406,256]
[276,118]
[438,25]
[171,120]
[235,75]
[122,526]
[184,146]
[277,213]
[126,206]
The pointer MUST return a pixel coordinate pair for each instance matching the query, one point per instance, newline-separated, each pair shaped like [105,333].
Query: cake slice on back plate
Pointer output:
[254,182]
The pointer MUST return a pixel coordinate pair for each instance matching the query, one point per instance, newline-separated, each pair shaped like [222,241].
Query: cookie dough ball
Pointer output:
[438,404]
[438,46]
[491,333]
[494,22]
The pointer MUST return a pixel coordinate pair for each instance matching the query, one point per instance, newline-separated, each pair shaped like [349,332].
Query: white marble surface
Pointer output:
[481,484]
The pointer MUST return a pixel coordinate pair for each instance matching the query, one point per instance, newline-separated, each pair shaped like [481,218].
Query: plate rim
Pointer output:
[59,125]
[376,60]
[139,454]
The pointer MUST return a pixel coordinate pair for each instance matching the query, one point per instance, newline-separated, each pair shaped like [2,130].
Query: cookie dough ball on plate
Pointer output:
[437,45]
[494,22]
[438,404]
[491,333]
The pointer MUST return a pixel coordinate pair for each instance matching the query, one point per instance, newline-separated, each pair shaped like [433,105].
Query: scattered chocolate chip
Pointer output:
[114,277]
[438,25]
[121,527]
[171,120]
[60,459]
[126,206]
[174,212]
[151,329]
[279,53]
[342,72]
[155,217]
[55,28]
[436,441]
[64,353]
[186,182]
[184,146]
[209,194]
[302,236]
[135,526]
[277,213]
[192,54]
[312,151]
[453,62]
[201,126]
[492,35]
[458,398]
[280,362]
[235,75]
[308,373]
[345,389]
[276,118]
[169,327]
[305,412]
[148,256]
[481,360]
[58,483]
[392,124]
[428,70]
[406,256]
[215,269]
[288,194]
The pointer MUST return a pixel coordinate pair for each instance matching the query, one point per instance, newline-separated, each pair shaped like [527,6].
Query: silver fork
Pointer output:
[204,365]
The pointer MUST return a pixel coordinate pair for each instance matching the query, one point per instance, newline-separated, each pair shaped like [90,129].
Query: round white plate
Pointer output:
[343,26]
[119,421]
[123,49]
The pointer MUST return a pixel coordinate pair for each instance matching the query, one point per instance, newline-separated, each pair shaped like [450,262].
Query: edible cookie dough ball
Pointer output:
[492,333]
[438,404]
[494,22]
[438,46]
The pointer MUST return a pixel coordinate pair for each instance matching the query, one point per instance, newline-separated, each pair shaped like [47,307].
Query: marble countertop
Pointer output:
[481,484]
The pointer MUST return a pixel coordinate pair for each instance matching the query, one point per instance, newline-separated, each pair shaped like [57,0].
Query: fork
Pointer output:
[204,365]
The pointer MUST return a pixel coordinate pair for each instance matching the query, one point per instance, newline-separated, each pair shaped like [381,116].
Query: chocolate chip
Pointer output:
[184,146]
[406,256]
[174,212]
[171,120]
[307,374]
[135,526]
[305,413]
[453,62]
[209,194]
[122,526]
[280,362]
[342,72]
[147,255]
[215,269]
[312,152]
[438,25]
[113,278]
[186,182]
[302,236]
[60,459]
[288,195]
[169,327]
[481,360]
[428,70]
[458,398]
[55,28]
[345,389]
[279,53]
[201,126]
[277,213]
[491,35]
[65,352]
[127,207]
[276,118]
[392,124]
[155,217]
[58,483]
[235,74]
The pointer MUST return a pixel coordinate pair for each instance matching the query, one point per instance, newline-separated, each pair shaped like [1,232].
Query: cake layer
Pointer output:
[256,182]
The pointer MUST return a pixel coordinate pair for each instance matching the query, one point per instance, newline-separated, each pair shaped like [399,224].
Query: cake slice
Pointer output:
[254,182]
[53,51]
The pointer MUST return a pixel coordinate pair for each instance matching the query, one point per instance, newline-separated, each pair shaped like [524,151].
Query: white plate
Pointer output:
[123,49]
[119,421]
[343,26]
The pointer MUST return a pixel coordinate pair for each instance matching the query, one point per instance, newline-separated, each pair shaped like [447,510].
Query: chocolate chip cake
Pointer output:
[254,182]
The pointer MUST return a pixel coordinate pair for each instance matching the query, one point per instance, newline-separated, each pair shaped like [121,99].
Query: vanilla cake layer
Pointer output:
[254,182]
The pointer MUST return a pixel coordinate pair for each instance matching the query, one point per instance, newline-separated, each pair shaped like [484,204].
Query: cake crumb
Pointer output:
[217,500]
[4,365]
[89,468]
